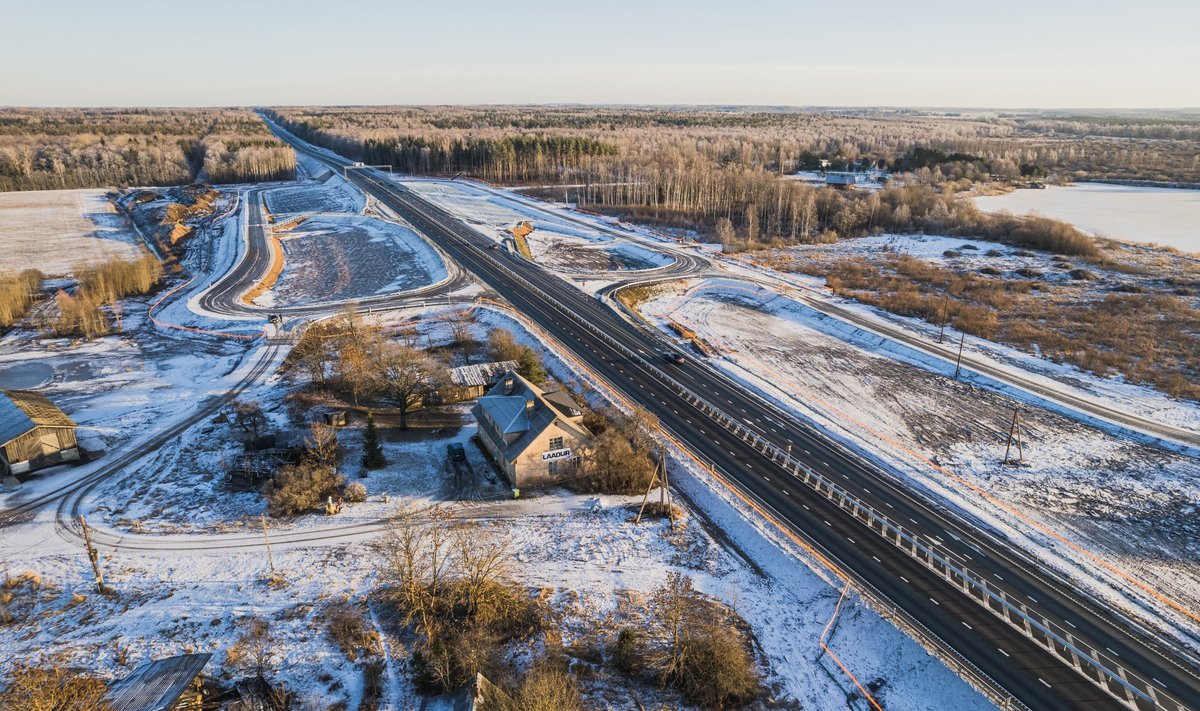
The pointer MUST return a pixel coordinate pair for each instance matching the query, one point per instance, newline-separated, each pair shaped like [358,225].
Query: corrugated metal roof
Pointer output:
[22,410]
[479,373]
[156,686]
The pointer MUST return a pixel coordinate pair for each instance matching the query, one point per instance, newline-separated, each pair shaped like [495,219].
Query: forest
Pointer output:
[725,174]
[49,149]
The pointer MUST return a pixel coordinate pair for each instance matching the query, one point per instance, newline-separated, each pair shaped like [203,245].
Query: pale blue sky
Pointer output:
[1001,53]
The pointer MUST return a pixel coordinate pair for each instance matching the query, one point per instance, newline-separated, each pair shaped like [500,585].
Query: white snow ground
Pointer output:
[1116,498]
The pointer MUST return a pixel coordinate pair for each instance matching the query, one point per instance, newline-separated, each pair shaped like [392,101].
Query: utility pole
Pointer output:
[93,556]
[1014,430]
[646,496]
[945,312]
[267,540]
[958,365]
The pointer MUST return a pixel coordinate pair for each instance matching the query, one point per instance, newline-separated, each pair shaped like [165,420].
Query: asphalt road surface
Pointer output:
[979,639]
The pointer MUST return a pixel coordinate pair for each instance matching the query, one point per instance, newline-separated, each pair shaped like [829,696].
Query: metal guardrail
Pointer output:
[1101,669]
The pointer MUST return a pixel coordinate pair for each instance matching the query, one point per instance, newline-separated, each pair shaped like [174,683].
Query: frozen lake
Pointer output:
[1162,215]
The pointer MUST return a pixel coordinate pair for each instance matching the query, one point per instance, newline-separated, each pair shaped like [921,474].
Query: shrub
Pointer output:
[717,671]
[348,627]
[355,492]
[547,687]
[301,487]
[1082,275]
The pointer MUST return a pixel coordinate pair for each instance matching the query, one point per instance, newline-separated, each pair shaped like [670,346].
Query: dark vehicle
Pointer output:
[493,246]
[673,358]
[455,451]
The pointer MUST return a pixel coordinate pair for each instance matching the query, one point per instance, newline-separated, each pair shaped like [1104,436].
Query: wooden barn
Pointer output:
[33,433]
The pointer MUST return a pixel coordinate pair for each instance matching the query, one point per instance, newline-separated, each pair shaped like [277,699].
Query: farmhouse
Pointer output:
[33,433]
[535,437]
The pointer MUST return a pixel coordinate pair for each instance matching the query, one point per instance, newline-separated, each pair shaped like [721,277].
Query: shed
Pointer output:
[170,684]
[33,433]
[468,382]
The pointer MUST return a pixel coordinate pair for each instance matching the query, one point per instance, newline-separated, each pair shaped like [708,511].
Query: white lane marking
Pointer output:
[877,560]
[848,538]
[935,602]
[904,578]
[997,576]
[786,492]
[966,625]
[1112,651]
[1031,597]
[1003,652]
[1044,682]
[1070,623]
[828,523]
[1156,681]
[889,504]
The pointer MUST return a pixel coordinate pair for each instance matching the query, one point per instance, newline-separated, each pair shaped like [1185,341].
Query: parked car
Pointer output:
[455,451]
[673,358]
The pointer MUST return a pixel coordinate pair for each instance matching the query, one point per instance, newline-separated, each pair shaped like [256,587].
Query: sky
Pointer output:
[1006,54]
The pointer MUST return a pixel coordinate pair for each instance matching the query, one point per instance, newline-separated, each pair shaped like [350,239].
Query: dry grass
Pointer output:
[347,625]
[1146,335]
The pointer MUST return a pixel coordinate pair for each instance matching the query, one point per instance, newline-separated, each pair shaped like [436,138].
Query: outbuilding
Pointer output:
[33,433]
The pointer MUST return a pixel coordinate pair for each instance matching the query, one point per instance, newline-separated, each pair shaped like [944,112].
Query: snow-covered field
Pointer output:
[333,257]
[56,230]
[1117,498]
[1164,216]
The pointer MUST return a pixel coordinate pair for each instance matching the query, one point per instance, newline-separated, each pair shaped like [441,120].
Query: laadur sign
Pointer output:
[556,454]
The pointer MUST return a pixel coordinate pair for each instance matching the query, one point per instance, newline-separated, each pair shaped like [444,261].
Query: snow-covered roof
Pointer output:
[22,410]
[480,373]
[156,686]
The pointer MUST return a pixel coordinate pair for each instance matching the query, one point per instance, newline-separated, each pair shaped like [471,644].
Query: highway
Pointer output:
[998,656]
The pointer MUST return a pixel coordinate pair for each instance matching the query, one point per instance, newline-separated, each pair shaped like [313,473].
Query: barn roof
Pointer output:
[156,686]
[23,410]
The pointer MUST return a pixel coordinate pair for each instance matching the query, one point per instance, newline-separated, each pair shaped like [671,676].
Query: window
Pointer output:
[556,443]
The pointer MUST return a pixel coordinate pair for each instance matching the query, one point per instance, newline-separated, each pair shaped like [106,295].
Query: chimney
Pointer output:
[508,385]
[529,407]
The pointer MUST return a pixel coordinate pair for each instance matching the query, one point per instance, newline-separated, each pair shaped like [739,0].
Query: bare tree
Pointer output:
[405,376]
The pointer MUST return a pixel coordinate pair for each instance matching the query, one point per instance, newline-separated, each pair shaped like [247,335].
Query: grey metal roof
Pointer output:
[13,421]
[22,410]
[156,686]
[511,412]
[479,373]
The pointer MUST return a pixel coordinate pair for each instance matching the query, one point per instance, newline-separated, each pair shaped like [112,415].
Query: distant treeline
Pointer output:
[47,149]
[726,174]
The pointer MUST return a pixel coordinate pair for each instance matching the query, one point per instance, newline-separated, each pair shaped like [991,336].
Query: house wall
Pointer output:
[531,470]
[41,446]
